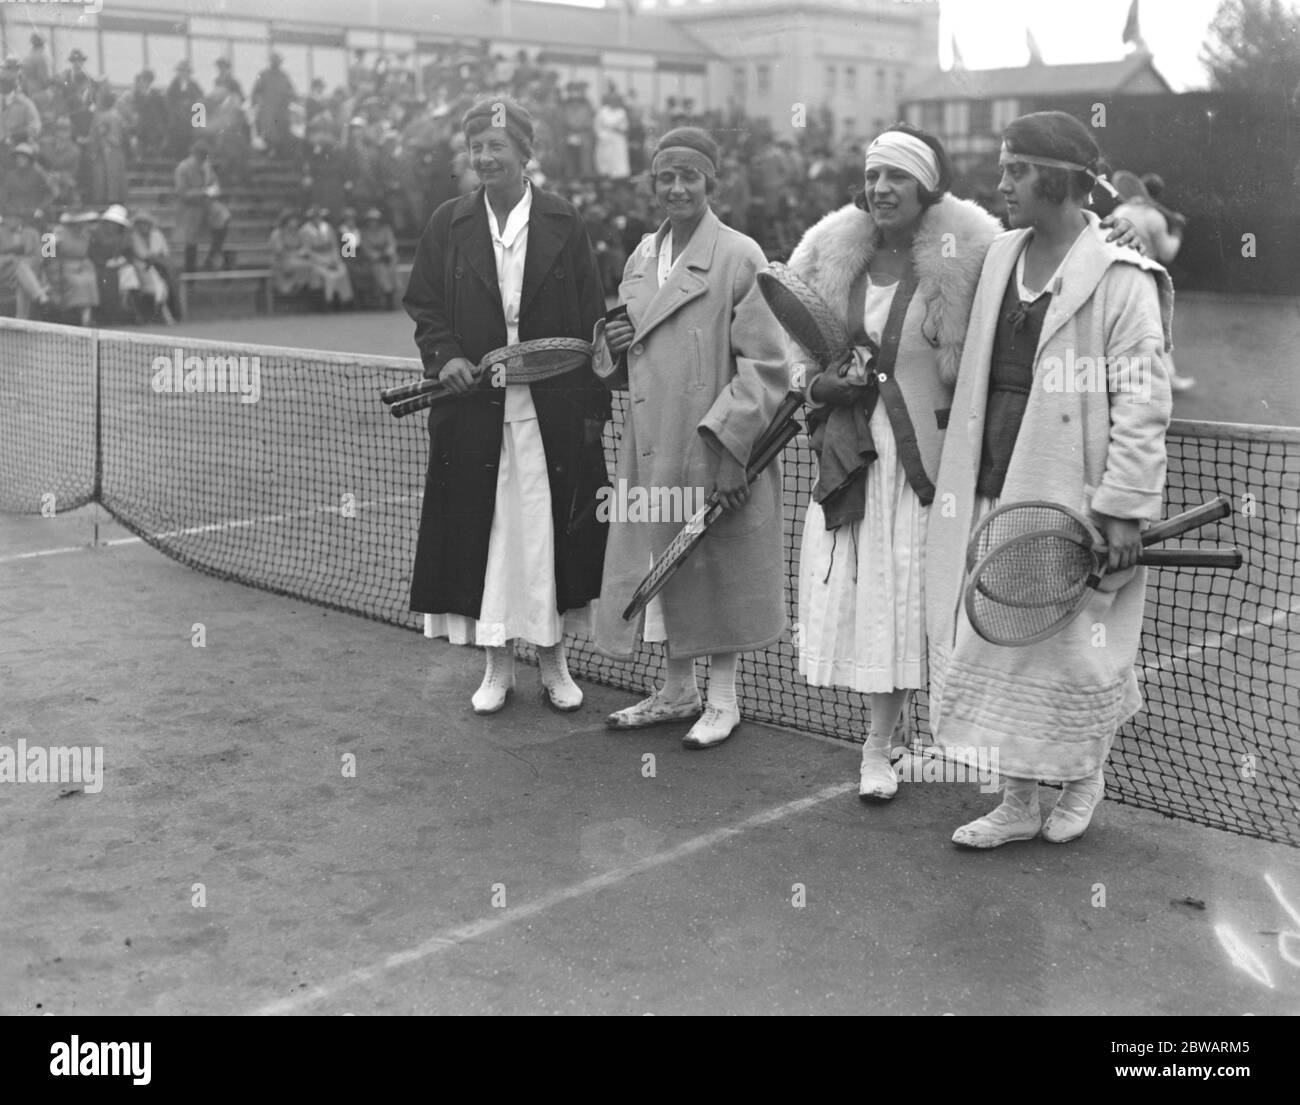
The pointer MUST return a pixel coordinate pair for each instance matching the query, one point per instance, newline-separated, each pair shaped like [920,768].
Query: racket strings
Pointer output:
[1041,570]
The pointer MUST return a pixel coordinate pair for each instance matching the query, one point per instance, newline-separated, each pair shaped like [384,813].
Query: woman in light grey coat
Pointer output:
[706,371]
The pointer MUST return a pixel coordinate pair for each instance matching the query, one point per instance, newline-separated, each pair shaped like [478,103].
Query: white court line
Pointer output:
[451,938]
[1215,640]
[212,527]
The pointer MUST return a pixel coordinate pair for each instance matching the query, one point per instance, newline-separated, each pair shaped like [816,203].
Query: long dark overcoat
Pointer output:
[454,300]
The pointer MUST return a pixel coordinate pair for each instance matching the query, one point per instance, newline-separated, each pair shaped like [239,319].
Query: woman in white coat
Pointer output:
[1054,297]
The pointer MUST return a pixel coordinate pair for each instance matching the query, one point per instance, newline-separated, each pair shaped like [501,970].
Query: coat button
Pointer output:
[638,349]
[881,377]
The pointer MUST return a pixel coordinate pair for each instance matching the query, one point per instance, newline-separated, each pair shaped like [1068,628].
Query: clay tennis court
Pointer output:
[530,863]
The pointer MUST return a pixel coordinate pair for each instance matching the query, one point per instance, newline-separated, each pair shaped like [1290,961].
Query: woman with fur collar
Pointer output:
[900,266]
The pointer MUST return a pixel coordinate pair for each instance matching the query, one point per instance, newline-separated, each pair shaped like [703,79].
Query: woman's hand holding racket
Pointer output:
[618,335]
[835,390]
[731,484]
[458,376]
[1123,542]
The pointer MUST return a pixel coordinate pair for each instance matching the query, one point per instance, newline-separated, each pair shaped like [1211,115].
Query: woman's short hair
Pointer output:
[501,111]
[1058,135]
[928,197]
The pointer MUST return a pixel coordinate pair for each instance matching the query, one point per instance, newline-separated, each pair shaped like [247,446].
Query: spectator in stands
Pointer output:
[77,92]
[20,266]
[317,103]
[329,276]
[37,70]
[150,285]
[377,261]
[74,289]
[579,133]
[107,151]
[231,137]
[358,72]
[327,177]
[182,95]
[200,211]
[61,157]
[27,190]
[272,95]
[144,114]
[226,78]
[636,159]
[110,247]
[1161,238]
[611,137]
[733,196]
[462,169]
[291,263]
[19,119]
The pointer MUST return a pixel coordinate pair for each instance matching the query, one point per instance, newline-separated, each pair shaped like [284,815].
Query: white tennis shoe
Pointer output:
[715,725]
[498,680]
[876,777]
[1017,818]
[1073,811]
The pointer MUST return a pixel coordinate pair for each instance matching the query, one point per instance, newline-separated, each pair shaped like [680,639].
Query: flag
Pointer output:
[1035,54]
[1133,32]
[957,62]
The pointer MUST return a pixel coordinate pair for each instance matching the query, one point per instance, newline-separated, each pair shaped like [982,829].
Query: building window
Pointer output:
[848,129]
[850,79]
[740,81]
[932,116]
[830,79]
[764,80]
[981,117]
[880,82]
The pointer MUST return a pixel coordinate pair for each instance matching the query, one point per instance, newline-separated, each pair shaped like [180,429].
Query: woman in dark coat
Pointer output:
[511,469]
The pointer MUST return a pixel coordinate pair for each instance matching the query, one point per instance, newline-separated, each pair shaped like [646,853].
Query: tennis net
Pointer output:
[283,471]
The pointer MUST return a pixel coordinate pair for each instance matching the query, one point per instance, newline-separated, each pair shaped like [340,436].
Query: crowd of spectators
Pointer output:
[388,144]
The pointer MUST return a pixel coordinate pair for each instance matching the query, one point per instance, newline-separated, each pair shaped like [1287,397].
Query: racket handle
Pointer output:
[418,403]
[1181,523]
[1192,558]
[407,391]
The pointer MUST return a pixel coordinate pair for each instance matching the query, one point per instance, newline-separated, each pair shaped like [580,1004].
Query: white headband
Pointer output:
[1006,158]
[898,150]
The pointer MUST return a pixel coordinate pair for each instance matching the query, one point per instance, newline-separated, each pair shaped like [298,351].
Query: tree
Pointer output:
[1254,46]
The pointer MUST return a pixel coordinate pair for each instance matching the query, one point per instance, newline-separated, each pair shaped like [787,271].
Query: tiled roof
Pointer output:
[1031,80]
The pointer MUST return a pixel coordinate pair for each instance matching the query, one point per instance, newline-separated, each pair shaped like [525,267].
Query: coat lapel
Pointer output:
[470,234]
[1088,262]
[548,228]
[685,282]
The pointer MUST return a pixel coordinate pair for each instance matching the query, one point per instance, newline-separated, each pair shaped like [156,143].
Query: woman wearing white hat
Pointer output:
[71,272]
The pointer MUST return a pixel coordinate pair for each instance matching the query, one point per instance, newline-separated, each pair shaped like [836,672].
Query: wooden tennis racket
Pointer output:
[1036,564]
[780,432]
[523,363]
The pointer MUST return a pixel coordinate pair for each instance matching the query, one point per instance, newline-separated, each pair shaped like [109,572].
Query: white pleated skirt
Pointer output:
[862,587]
[519,593]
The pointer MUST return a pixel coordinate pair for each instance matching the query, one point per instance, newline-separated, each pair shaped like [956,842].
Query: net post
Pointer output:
[96,495]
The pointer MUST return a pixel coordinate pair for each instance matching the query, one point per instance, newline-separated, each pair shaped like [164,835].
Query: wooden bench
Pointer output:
[264,294]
